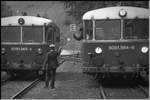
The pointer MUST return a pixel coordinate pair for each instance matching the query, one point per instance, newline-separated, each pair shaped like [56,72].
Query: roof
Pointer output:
[29,20]
[113,13]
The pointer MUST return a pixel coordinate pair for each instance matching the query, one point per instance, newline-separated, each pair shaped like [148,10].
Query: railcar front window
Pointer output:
[136,29]
[32,33]
[107,30]
[88,30]
[10,33]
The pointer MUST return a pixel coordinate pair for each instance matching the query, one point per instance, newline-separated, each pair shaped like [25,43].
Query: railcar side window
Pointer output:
[10,33]
[136,29]
[32,33]
[107,29]
[57,35]
[88,30]
[57,39]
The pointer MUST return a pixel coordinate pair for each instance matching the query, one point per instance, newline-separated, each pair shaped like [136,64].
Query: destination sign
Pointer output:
[121,47]
[21,49]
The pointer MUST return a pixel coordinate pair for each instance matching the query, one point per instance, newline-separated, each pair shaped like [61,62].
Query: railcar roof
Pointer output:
[113,13]
[29,20]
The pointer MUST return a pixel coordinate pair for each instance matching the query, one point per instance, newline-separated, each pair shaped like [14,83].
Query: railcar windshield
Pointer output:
[32,34]
[107,29]
[136,29]
[10,33]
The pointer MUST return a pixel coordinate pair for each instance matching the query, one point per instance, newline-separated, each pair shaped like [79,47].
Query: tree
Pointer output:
[24,13]
[38,15]
[78,8]
[6,10]
[67,22]
[45,15]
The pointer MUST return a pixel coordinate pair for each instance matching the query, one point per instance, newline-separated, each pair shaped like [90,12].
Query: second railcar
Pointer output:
[115,41]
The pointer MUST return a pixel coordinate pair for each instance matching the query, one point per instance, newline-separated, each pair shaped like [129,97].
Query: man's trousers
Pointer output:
[50,75]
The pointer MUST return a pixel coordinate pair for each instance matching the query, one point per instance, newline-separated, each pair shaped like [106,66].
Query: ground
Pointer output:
[70,83]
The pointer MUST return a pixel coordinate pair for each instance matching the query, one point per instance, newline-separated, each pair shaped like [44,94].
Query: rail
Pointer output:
[102,92]
[143,89]
[25,90]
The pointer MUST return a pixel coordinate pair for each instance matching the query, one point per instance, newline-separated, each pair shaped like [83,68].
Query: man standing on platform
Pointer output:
[52,64]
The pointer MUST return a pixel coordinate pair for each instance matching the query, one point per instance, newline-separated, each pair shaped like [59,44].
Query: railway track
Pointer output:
[102,92]
[145,91]
[19,94]
[133,92]
[9,88]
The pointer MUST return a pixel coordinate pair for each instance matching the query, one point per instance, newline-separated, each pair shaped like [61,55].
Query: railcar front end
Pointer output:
[116,41]
[17,57]
[115,57]
[25,41]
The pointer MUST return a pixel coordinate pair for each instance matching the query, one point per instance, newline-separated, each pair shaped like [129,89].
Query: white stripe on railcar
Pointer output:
[113,13]
[29,20]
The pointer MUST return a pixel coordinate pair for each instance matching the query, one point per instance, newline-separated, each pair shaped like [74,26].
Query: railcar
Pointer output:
[115,41]
[25,41]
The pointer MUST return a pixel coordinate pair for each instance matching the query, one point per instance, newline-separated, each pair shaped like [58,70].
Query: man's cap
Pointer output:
[52,46]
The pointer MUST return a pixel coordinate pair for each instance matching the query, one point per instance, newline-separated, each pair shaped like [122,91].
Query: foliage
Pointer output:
[67,22]
[38,15]
[24,13]
[6,10]
[45,15]
[78,8]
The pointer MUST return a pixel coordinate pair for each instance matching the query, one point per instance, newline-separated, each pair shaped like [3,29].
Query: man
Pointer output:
[52,64]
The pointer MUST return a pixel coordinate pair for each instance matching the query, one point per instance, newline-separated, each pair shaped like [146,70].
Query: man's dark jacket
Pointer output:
[51,59]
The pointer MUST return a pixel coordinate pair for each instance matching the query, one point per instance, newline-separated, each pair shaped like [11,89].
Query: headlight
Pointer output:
[122,13]
[144,49]
[98,50]
[21,21]
[40,72]
[39,51]
[3,50]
